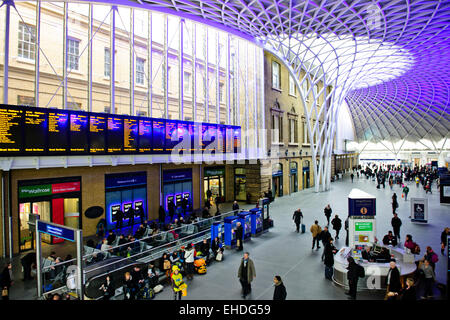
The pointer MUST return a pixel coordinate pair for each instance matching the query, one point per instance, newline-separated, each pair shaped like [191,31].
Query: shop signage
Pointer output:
[56,230]
[125,180]
[66,187]
[294,171]
[363,226]
[176,175]
[214,172]
[35,191]
[277,173]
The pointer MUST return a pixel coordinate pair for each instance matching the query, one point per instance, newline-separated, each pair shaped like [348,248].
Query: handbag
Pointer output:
[219,256]
[5,292]
[166,264]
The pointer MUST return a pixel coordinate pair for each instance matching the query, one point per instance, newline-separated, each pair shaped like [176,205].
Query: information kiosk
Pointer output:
[245,220]
[229,225]
[362,220]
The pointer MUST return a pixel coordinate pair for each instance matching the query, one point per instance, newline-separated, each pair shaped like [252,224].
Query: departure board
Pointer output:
[79,131]
[35,131]
[158,136]
[145,136]
[10,130]
[130,135]
[115,134]
[171,135]
[97,133]
[30,131]
[58,132]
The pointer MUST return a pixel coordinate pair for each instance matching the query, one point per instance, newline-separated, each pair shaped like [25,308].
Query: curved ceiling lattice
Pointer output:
[348,43]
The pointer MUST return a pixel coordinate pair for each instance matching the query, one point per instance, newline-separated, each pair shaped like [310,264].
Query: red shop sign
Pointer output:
[66,187]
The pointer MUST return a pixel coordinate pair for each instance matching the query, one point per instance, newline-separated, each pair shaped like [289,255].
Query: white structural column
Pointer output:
[112,78]
[255,101]
[149,64]
[181,71]
[205,49]
[217,77]
[132,62]
[89,71]
[64,95]
[37,51]
[228,81]
[166,67]
[194,71]
[246,106]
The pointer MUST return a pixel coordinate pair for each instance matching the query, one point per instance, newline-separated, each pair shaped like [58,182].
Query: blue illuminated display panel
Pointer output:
[205,137]
[237,139]
[79,133]
[97,133]
[229,139]
[196,141]
[130,134]
[183,133]
[171,135]
[58,132]
[145,136]
[115,134]
[11,137]
[212,134]
[221,138]
[35,127]
[158,136]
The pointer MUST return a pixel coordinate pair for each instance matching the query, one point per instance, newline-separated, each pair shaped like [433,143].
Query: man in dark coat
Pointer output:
[393,279]
[329,252]
[353,274]
[246,274]
[337,225]
[325,236]
[389,239]
[162,215]
[130,216]
[239,236]
[111,237]
[184,205]
[140,212]
[171,208]
[28,261]
[235,207]
[119,217]
[327,212]
[297,217]
[279,292]
[396,224]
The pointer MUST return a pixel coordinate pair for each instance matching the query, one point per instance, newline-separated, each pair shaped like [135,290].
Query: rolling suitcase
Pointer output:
[303,228]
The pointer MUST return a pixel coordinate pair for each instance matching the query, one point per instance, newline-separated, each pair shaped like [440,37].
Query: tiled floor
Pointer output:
[288,254]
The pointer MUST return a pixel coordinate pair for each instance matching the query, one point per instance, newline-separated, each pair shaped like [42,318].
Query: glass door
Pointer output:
[72,212]
[239,185]
[25,235]
[42,208]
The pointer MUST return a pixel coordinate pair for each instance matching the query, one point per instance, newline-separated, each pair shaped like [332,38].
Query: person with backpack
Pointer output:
[431,257]
[411,245]
[337,225]
[354,272]
[315,231]
[297,218]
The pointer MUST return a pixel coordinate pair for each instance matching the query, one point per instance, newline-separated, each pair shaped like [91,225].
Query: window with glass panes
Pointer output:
[140,70]
[276,83]
[292,88]
[293,131]
[73,52]
[186,82]
[107,71]
[27,40]
[221,88]
[277,128]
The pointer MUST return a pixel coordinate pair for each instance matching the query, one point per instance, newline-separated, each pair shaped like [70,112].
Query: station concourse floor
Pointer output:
[282,251]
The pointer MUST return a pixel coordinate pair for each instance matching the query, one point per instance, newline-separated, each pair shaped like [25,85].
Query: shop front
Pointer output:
[53,200]
[177,184]
[122,192]
[305,174]
[277,180]
[293,184]
[214,181]
[240,180]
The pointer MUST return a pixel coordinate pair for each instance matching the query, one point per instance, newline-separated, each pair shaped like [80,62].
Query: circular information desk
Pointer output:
[375,272]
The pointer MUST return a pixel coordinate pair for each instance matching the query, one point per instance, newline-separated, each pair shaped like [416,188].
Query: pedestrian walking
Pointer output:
[315,231]
[396,224]
[346,230]
[279,293]
[297,218]
[324,236]
[394,203]
[337,225]
[352,176]
[329,252]
[246,274]
[189,257]
[430,278]
[239,236]
[327,212]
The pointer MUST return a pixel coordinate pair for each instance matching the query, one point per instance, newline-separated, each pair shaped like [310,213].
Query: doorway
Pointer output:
[41,208]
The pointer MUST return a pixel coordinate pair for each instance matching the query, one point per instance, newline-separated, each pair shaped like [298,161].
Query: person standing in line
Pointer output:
[327,212]
[396,224]
[171,207]
[315,231]
[337,225]
[329,252]
[177,283]
[393,280]
[297,218]
[239,236]
[279,293]
[246,274]
[444,236]
[405,192]
[130,216]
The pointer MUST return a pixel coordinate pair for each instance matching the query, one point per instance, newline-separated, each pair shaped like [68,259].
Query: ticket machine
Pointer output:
[245,220]
[256,218]
[229,225]
[217,231]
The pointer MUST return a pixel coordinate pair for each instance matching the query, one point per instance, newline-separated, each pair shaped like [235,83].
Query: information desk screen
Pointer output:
[130,134]
[79,133]
[145,136]
[158,136]
[97,133]
[115,134]
[10,130]
[58,132]
[35,131]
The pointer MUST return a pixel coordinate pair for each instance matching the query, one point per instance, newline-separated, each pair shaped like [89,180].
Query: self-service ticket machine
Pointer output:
[217,231]
[256,217]
[229,225]
[245,220]
[264,204]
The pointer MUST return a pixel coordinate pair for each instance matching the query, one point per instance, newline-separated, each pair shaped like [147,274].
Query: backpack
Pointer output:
[361,272]
[146,293]
[434,258]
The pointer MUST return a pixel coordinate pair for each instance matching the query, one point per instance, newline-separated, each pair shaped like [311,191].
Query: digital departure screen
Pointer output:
[145,136]
[10,130]
[130,135]
[30,131]
[58,132]
[115,134]
[79,133]
[158,136]
[97,133]
[35,131]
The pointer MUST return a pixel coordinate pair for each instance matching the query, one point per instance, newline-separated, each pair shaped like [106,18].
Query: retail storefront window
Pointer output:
[240,180]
